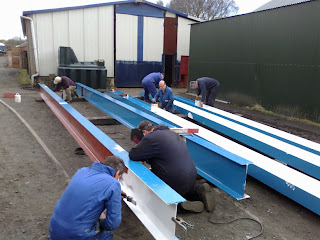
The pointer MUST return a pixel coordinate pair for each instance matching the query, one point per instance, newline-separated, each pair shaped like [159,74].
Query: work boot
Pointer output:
[193,206]
[207,197]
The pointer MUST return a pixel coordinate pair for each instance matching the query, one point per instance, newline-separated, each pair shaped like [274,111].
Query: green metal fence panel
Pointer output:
[271,58]
[93,77]
[93,74]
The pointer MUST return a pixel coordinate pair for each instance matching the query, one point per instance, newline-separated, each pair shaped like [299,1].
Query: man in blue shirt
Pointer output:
[150,83]
[165,97]
[91,191]
[208,88]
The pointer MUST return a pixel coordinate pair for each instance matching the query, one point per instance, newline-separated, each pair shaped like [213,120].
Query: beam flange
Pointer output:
[130,113]
[294,140]
[156,201]
[293,156]
[292,183]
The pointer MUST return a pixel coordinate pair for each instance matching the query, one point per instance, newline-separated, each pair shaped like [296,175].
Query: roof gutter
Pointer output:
[34,45]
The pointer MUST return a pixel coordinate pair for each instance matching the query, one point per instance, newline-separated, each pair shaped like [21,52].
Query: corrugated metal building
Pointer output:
[278,3]
[271,58]
[133,37]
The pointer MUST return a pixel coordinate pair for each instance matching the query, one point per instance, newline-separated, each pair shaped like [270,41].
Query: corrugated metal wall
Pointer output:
[88,31]
[126,35]
[153,39]
[139,43]
[271,58]
[183,37]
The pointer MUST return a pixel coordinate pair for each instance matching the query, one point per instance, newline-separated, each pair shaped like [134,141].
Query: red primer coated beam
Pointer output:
[92,146]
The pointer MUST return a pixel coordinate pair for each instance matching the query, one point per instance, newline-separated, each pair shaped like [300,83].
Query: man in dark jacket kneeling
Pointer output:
[170,160]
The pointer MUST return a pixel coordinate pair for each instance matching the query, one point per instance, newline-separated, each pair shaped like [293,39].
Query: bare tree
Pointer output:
[13,42]
[160,2]
[205,9]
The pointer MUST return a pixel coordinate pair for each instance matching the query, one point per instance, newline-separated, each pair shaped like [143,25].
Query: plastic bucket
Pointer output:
[17,98]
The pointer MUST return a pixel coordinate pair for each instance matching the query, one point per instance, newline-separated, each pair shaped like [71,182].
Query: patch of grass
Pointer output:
[259,108]
[24,78]
[306,121]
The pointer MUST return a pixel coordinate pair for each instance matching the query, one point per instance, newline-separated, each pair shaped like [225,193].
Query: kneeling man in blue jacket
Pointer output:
[91,191]
[164,96]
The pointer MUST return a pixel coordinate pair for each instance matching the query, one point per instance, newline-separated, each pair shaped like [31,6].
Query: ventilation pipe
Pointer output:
[34,45]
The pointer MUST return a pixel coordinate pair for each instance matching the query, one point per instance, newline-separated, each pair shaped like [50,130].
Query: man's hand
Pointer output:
[197,97]
[103,215]
[153,100]
[123,194]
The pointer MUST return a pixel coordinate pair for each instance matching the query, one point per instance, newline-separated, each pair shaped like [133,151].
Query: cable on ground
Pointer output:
[241,218]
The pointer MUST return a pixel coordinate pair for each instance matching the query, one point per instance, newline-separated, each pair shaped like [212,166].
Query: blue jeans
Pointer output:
[58,232]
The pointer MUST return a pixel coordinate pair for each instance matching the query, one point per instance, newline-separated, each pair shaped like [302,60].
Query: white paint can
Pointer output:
[198,103]
[154,107]
[17,98]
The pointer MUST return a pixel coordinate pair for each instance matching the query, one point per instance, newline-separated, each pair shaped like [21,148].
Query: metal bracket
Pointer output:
[185,225]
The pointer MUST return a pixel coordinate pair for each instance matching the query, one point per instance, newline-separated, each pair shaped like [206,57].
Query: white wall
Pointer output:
[45,42]
[76,34]
[126,37]
[153,32]
[183,40]
[89,32]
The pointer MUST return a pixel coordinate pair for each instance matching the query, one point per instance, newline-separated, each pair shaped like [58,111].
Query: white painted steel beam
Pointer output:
[156,202]
[294,156]
[299,140]
[151,210]
[288,180]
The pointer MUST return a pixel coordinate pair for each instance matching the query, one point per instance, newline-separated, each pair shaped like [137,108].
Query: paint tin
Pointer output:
[154,107]
[198,103]
[17,98]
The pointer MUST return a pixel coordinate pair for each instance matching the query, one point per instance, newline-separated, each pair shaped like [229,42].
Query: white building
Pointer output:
[133,37]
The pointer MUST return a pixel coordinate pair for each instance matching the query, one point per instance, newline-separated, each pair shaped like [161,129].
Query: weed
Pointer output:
[24,78]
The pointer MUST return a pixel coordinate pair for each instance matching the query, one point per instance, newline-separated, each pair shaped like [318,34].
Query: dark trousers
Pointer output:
[195,194]
[149,87]
[211,95]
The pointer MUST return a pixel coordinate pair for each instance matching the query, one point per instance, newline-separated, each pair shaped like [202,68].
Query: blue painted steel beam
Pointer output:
[299,195]
[212,162]
[296,144]
[156,201]
[224,169]
[291,155]
[156,184]
[289,182]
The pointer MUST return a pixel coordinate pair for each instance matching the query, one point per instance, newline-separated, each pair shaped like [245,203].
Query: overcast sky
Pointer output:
[11,10]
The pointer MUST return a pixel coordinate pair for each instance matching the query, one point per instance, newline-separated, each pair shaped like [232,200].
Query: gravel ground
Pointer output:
[31,181]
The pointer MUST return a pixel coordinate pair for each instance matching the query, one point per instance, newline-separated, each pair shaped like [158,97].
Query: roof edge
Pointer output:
[25,13]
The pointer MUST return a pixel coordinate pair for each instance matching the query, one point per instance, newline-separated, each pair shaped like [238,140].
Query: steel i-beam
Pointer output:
[292,183]
[294,140]
[224,169]
[298,186]
[294,156]
[156,202]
